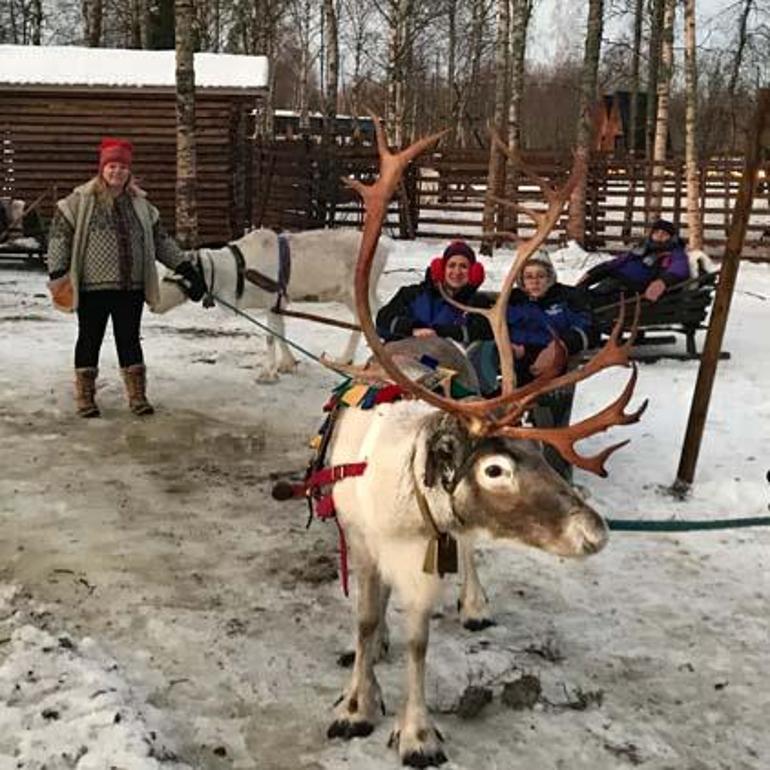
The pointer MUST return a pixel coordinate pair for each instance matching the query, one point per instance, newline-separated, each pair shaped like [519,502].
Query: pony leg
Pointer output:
[287,362]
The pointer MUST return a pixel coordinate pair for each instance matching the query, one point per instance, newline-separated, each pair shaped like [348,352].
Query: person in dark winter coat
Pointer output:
[105,238]
[546,319]
[419,310]
[543,313]
[649,269]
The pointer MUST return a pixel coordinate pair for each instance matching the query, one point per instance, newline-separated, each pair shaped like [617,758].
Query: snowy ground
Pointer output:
[157,608]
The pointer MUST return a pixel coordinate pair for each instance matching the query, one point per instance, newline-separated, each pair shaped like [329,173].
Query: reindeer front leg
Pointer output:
[473,602]
[361,706]
[415,736]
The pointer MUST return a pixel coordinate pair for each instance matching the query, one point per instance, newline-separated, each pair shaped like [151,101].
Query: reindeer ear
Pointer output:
[447,447]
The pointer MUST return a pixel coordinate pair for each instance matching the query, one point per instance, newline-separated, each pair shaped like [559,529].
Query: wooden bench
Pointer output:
[683,310]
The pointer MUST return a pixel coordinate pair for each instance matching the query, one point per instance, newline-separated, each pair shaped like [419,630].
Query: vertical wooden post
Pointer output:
[676,215]
[724,294]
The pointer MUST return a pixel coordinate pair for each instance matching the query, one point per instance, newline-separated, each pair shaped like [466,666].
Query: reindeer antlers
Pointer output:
[498,415]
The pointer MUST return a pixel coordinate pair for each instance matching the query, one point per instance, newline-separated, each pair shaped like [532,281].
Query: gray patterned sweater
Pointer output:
[85,241]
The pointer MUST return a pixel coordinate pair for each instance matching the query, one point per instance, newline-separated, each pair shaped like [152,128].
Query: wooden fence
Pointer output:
[442,196]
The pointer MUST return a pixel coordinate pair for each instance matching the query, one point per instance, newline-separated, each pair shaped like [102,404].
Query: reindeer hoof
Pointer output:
[347,659]
[267,378]
[344,728]
[478,624]
[288,367]
[423,759]
[428,754]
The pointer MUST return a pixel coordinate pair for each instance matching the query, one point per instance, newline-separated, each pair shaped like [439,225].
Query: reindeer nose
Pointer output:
[587,531]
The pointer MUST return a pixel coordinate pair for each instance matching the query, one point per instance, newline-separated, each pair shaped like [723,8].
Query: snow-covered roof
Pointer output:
[27,65]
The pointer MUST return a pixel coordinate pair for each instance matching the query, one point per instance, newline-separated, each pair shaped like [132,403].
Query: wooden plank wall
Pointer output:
[54,138]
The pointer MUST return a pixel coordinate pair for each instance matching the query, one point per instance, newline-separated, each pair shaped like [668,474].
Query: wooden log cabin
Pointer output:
[57,102]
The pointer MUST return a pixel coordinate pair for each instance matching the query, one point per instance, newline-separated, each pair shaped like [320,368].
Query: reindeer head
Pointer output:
[505,488]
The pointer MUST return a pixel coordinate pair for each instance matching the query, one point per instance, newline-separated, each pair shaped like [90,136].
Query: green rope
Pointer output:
[670,525]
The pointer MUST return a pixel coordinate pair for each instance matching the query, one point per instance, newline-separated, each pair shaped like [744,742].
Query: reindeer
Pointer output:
[247,274]
[439,469]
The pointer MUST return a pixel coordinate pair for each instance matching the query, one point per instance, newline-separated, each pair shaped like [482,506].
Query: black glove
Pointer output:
[190,280]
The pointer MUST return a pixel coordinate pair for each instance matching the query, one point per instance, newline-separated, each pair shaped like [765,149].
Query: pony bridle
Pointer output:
[500,416]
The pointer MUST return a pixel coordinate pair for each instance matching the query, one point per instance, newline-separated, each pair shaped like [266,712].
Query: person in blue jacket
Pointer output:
[545,320]
[542,314]
[419,310]
[649,269]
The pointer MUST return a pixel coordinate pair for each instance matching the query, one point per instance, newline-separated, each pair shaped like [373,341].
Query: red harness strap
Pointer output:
[324,504]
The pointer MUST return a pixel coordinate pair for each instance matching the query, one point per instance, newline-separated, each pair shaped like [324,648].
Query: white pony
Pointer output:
[322,269]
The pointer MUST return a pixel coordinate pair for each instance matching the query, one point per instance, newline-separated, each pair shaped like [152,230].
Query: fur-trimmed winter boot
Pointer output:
[85,391]
[135,379]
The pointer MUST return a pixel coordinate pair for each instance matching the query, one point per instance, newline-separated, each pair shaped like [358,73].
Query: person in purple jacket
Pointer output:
[649,269]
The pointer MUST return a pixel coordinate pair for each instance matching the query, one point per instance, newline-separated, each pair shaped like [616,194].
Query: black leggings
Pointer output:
[94,309]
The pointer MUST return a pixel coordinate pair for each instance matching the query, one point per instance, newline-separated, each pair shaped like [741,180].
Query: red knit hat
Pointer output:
[112,150]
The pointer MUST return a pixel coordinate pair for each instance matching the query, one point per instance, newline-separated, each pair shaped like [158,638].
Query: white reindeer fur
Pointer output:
[322,269]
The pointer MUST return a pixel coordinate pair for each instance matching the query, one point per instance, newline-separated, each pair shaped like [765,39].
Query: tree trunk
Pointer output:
[186,210]
[331,80]
[521,12]
[577,205]
[136,23]
[653,61]
[264,17]
[631,134]
[661,123]
[694,219]
[332,68]
[452,99]
[400,33]
[37,21]
[496,169]
[464,92]
[92,18]
[736,67]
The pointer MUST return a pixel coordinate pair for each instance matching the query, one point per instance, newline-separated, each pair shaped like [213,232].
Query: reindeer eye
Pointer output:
[493,471]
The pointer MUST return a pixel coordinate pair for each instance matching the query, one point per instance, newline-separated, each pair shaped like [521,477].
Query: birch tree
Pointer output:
[399,19]
[661,122]
[694,218]
[521,13]
[332,74]
[653,62]
[631,130]
[305,27]
[588,80]
[186,209]
[496,168]
[451,67]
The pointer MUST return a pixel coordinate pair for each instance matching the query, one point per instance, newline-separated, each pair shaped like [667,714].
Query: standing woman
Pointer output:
[104,240]
[419,310]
